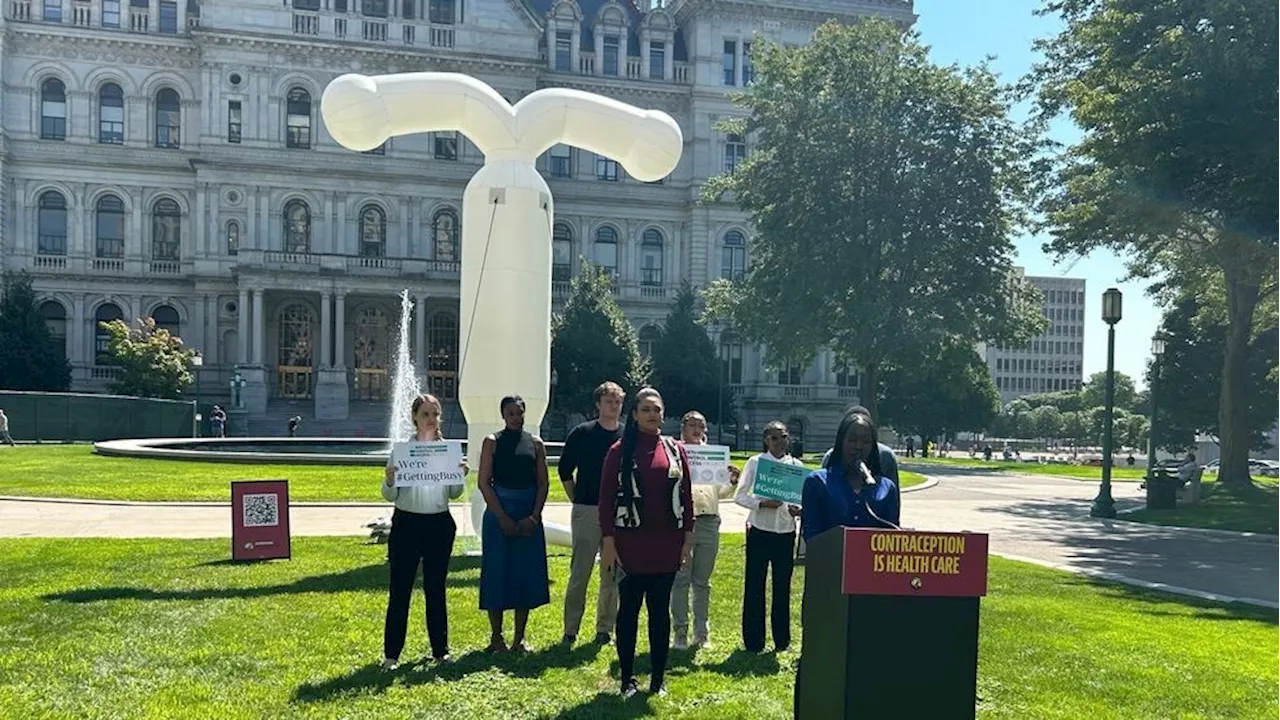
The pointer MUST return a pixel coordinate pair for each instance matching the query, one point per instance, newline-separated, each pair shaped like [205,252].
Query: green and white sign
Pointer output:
[423,464]
[779,481]
[709,464]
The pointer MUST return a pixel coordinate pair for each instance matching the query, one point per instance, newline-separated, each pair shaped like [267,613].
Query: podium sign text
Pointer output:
[259,519]
[912,563]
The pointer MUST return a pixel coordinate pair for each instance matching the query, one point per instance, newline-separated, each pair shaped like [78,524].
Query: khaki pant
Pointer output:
[585,526]
[696,573]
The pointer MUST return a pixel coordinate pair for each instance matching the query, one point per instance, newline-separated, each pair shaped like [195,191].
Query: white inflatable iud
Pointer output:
[505,322]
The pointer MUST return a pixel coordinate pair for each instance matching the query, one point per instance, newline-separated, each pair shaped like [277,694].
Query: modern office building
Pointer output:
[1054,360]
[166,158]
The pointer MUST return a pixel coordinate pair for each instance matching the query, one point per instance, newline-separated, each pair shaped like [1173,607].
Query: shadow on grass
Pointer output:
[1150,602]
[371,677]
[742,663]
[609,705]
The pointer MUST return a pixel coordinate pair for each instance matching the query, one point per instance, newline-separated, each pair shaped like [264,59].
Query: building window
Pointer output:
[651,257]
[748,69]
[730,62]
[233,121]
[648,337]
[168,17]
[55,318]
[297,227]
[609,63]
[51,224]
[111,13]
[605,252]
[107,312]
[166,230]
[561,253]
[373,232]
[440,12]
[445,225]
[446,145]
[111,114]
[730,359]
[374,8]
[408,9]
[564,51]
[442,355]
[846,376]
[166,318]
[606,169]
[108,224]
[790,374]
[298,119]
[735,151]
[560,161]
[733,256]
[657,60]
[233,237]
[53,110]
[52,11]
[168,119]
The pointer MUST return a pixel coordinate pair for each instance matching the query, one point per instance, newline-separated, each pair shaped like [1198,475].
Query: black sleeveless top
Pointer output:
[514,461]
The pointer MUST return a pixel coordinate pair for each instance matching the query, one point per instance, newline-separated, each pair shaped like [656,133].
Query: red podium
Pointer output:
[890,621]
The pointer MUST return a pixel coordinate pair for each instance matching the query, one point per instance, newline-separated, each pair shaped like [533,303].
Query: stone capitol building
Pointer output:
[166,158]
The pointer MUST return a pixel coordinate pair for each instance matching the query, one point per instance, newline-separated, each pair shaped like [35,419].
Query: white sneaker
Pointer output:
[703,643]
[390,663]
[681,643]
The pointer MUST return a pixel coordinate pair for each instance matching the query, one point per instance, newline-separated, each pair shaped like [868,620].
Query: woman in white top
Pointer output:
[422,530]
[771,540]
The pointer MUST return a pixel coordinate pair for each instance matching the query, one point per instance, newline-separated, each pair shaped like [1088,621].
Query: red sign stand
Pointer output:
[260,520]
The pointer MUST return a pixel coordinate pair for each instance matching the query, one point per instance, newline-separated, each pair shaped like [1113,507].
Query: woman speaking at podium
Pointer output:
[852,491]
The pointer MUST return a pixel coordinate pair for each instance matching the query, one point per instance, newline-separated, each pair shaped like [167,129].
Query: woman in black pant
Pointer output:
[422,530]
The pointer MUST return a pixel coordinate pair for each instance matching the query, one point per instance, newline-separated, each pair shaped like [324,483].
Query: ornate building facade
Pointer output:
[166,158]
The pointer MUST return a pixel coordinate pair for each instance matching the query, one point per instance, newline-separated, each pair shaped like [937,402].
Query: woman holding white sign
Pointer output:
[422,530]
[771,540]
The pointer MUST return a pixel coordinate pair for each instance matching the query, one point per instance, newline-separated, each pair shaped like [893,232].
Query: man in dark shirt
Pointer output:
[583,454]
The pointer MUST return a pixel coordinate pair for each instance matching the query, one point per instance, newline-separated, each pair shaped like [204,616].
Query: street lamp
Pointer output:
[237,390]
[1157,350]
[1104,506]
[551,401]
[196,362]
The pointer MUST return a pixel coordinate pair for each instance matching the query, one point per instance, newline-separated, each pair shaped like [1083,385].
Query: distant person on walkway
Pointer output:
[1130,460]
[911,446]
[646,516]
[513,568]
[422,531]
[580,463]
[986,452]
[4,429]
[706,546]
[293,425]
[219,419]
[771,541]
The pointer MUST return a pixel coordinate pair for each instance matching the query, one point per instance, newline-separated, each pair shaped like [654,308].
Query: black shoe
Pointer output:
[568,640]
[602,638]
[629,688]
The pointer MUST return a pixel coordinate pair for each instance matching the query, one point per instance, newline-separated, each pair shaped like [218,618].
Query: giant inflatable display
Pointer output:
[507,211]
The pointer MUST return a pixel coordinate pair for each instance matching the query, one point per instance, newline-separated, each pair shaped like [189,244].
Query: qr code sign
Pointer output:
[261,510]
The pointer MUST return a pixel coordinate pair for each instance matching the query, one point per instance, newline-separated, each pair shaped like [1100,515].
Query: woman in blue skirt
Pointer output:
[513,566]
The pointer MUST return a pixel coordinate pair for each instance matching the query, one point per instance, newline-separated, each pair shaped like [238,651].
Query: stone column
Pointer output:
[197,335]
[737,64]
[264,208]
[340,331]
[78,326]
[420,332]
[328,229]
[644,54]
[250,238]
[599,38]
[340,229]
[575,51]
[259,327]
[326,330]
[201,219]
[668,62]
[243,329]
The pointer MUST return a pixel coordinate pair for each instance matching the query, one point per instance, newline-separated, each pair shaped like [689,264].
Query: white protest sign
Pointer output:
[709,464]
[423,464]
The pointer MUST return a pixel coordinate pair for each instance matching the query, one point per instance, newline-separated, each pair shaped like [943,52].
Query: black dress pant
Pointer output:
[764,549]
[654,591]
[425,539]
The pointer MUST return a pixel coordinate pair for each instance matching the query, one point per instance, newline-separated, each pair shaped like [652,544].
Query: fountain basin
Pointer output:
[266,450]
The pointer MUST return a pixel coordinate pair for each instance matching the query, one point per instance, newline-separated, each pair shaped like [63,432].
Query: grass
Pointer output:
[1079,472]
[1252,509]
[74,471]
[169,628]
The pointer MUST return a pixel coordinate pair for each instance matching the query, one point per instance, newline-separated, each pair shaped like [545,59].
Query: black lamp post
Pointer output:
[1103,505]
[1157,351]
[197,362]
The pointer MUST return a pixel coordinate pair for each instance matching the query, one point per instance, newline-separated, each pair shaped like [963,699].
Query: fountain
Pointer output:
[404,381]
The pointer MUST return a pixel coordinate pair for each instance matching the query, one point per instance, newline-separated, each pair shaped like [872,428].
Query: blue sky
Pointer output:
[966,33]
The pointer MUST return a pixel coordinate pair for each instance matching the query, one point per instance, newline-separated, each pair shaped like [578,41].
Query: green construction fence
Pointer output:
[72,417]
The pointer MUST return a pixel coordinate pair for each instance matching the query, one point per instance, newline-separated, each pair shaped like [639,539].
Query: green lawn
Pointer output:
[169,628]
[74,471]
[1254,509]
[1080,472]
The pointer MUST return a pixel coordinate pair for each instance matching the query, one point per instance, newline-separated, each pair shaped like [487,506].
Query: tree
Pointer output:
[1061,400]
[1094,392]
[1074,426]
[1133,434]
[951,392]
[150,361]
[1178,165]
[897,182]
[1047,420]
[685,367]
[591,342]
[31,358]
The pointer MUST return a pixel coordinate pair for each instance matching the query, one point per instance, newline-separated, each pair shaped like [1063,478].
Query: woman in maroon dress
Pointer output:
[646,518]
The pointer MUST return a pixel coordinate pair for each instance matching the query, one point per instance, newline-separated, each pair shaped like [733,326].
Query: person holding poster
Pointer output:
[706,544]
[646,517]
[853,491]
[422,531]
[513,568]
[771,540]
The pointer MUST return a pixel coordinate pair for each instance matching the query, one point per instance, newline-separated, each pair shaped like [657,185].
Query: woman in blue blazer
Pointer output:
[853,491]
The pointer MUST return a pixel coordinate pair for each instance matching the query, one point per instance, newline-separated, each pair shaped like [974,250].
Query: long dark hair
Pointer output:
[628,460]
[846,425]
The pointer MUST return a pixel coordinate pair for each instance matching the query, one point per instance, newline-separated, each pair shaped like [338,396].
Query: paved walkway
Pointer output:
[1039,519]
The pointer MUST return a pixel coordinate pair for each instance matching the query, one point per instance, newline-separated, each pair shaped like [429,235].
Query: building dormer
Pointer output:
[564,36]
[657,44]
[612,36]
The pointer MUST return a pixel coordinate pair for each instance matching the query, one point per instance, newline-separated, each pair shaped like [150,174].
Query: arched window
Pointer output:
[55,318]
[651,257]
[442,355]
[445,242]
[233,237]
[297,227]
[373,231]
[107,312]
[166,319]
[111,114]
[109,227]
[649,337]
[168,118]
[53,110]
[166,230]
[731,358]
[561,253]
[733,256]
[298,118]
[605,252]
[51,224]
